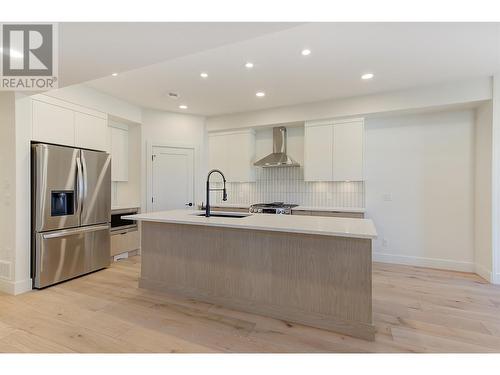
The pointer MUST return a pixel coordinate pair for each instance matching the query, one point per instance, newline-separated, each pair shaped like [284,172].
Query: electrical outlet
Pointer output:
[5,269]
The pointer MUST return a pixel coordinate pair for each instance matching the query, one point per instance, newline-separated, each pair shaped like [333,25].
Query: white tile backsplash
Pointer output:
[288,185]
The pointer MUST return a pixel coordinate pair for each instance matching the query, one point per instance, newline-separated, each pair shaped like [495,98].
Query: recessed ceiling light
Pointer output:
[260,94]
[249,65]
[367,76]
[114,74]
[203,75]
[183,106]
[306,52]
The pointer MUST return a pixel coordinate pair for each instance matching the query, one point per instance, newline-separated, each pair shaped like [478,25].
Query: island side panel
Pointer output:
[322,281]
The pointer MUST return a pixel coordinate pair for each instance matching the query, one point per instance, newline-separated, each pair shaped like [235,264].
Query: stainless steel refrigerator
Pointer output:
[71,212]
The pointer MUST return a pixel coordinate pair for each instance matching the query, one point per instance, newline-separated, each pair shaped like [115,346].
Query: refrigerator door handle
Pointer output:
[75,231]
[85,179]
[85,188]
[80,184]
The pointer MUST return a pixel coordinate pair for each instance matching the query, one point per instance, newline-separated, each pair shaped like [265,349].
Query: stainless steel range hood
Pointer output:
[279,157]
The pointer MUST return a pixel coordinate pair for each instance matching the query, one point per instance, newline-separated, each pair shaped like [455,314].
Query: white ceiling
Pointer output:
[92,50]
[401,55]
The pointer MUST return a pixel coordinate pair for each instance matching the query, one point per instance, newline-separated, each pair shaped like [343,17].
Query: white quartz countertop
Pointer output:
[298,208]
[327,226]
[329,209]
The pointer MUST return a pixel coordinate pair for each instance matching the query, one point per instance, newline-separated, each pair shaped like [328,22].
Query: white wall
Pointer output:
[7,191]
[483,190]
[15,193]
[420,188]
[23,194]
[441,95]
[167,128]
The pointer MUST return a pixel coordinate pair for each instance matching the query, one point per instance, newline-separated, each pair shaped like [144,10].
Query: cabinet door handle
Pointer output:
[189,204]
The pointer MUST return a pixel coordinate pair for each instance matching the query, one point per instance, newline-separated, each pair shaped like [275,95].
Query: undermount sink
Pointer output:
[225,214]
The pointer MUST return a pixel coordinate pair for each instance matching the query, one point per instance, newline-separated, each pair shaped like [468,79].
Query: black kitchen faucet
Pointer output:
[224,192]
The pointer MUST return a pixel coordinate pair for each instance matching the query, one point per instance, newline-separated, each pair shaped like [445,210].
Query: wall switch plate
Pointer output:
[387,197]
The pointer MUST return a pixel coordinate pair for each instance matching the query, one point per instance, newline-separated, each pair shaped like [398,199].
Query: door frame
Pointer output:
[149,169]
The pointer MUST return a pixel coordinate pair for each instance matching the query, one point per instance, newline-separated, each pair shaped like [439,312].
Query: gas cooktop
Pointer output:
[272,208]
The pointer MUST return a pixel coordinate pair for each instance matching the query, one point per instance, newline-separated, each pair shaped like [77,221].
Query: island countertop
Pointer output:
[326,226]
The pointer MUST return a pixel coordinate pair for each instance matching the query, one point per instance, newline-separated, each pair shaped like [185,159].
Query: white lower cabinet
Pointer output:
[234,154]
[333,150]
[52,124]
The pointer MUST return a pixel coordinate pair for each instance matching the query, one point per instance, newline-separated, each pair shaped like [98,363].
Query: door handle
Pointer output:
[190,204]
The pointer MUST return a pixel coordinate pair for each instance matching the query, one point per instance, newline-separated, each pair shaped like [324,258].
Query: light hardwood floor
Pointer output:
[415,310]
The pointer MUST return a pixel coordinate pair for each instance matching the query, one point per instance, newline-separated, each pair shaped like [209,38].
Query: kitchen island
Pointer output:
[309,270]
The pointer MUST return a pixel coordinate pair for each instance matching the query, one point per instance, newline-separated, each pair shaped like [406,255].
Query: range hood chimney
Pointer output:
[279,157]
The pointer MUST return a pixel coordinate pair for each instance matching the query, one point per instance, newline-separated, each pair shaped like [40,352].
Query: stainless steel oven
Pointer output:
[123,225]
[125,236]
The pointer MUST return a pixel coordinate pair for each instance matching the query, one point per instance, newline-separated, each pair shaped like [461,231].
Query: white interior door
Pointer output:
[172,178]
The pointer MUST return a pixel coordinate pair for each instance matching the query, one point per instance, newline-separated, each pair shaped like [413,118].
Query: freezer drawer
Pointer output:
[62,255]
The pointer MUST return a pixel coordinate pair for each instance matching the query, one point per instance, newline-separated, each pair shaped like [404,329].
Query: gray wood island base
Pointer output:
[324,281]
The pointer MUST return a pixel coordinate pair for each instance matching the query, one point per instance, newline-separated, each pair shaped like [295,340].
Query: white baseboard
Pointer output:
[484,272]
[424,262]
[495,278]
[15,287]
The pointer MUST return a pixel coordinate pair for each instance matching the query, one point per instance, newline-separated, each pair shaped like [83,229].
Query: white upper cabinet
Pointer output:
[218,153]
[318,151]
[63,123]
[52,124]
[119,154]
[348,151]
[90,131]
[333,150]
[233,153]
